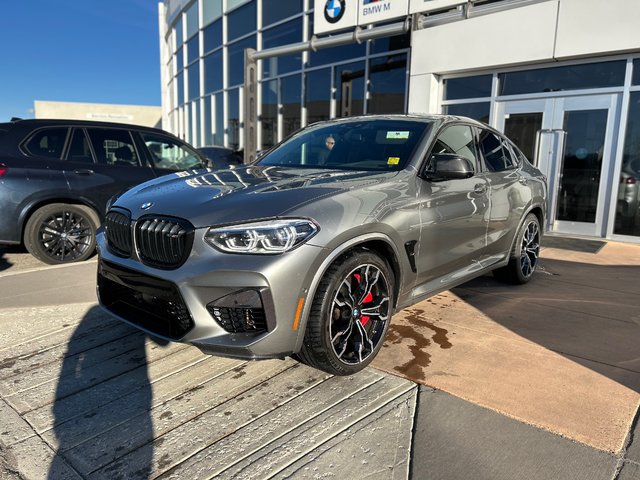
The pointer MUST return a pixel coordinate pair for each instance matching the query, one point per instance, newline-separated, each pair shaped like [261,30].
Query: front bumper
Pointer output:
[241,306]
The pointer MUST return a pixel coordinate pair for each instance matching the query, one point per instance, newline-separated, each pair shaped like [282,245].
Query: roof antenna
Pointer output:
[15,119]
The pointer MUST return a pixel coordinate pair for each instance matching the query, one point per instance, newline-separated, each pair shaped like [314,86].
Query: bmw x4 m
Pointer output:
[309,251]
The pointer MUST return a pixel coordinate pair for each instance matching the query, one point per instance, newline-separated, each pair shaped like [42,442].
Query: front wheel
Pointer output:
[350,314]
[61,233]
[525,256]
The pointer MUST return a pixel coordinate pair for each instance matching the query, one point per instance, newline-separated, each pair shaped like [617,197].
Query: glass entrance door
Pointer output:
[570,140]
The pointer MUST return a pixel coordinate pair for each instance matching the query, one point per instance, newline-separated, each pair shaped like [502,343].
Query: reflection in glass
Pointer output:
[335,54]
[193,50]
[269,116]
[478,111]
[233,118]
[318,95]
[235,67]
[284,10]
[628,202]
[467,87]
[581,165]
[213,72]
[211,10]
[287,33]
[290,104]
[178,30]
[572,77]
[218,134]
[350,89]
[389,44]
[212,36]
[242,21]
[192,19]
[180,59]
[522,129]
[387,80]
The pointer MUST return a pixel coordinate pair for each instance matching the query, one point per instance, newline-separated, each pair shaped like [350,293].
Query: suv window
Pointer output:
[496,155]
[167,153]
[113,147]
[79,151]
[458,139]
[48,142]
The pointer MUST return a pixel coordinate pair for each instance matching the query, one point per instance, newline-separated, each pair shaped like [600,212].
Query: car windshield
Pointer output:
[374,145]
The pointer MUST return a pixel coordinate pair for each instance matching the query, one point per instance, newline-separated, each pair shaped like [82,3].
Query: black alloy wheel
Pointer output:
[62,233]
[525,256]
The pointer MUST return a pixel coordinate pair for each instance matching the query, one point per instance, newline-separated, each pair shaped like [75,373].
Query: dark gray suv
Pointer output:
[56,177]
[309,251]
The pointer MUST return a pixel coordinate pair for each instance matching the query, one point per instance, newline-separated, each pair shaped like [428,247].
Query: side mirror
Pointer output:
[449,166]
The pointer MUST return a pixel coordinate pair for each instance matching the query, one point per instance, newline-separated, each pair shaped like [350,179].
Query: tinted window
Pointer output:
[477,111]
[212,36]
[291,92]
[636,72]
[387,83]
[284,10]
[194,81]
[113,147]
[318,95]
[168,153]
[468,87]
[47,142]
[350,89]
[193,49]
[241,21]
[79,150]
[290,32]
[373,145]
[213,72]
[497,158]
[236,60]
[458,139]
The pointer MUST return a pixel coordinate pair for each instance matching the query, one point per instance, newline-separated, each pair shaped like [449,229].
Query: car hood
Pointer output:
[208,197]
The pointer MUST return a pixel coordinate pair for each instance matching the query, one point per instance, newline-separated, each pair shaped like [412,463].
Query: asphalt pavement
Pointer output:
[483,382]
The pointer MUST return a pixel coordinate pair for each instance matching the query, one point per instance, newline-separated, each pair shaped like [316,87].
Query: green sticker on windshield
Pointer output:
[397,135]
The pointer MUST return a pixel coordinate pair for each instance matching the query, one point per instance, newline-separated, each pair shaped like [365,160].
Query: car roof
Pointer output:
[420,117]
[46,122]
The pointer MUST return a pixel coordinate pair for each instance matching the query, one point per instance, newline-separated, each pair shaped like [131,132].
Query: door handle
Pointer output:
[480,188]
[83,172]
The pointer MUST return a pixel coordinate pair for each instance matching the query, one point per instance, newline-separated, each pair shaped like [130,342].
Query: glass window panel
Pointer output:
[79,151]
[573,77]
[113,147]
[269,116]
[48,142]
[350,89]
[287,33]
[283,10]
[193,49]
[180,59]
[180,79]
[211,10]
[496,157]
[192,19]
[231,4]
[178,30]
[335,54]
[291,93]
[467,87]
[458,139]
[213,72]
[194,81]
[388,44]
[387,83]
[628,202]
[212,36]
[208,128]
[236,60]
[195,127]
[318,93]
[636,72]
[241,21]
[478,111]
[233,118]
[169,153]
[218,134]
[522,129]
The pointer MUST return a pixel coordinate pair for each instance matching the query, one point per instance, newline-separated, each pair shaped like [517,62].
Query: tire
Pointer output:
[350,314]
[526,252]
[61,233]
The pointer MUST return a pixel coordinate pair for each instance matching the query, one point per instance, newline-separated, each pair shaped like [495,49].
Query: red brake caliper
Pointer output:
[367,299]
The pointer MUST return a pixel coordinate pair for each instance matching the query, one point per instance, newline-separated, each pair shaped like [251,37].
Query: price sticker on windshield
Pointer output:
[403,135]
[393,160]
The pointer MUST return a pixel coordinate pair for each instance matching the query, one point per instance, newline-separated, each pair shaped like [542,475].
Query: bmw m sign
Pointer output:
[332,15]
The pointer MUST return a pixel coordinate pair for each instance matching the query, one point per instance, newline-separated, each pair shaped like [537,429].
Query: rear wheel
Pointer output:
[350,314]
[61,233]
[525,256]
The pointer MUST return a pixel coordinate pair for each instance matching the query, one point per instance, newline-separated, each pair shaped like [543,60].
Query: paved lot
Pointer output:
[483,382]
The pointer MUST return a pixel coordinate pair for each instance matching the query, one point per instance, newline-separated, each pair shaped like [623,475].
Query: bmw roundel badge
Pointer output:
[146,206]
[334,10]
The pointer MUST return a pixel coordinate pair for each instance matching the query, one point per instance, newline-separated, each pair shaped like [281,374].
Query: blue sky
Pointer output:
[101,51]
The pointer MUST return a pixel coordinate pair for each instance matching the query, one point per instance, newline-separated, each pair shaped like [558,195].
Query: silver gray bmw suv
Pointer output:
[309,251]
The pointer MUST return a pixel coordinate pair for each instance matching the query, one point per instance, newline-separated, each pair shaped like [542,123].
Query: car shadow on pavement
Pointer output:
[588,313]
[4,262]
[103,400]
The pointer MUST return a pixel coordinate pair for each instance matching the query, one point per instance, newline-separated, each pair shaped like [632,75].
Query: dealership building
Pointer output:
[559,77]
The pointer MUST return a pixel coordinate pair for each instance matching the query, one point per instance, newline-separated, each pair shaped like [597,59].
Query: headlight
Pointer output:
[271,236]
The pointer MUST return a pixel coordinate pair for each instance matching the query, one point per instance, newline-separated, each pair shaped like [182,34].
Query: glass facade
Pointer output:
[206,42]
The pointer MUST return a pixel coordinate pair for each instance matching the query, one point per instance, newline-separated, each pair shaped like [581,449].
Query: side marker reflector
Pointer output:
[298,312]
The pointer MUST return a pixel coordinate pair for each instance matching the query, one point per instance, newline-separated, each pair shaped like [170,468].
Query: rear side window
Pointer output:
[496,154]
[113,147]
[79,150]
[47,142]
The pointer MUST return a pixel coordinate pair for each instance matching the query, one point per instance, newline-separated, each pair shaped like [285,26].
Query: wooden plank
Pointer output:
[85,401]
[135,435]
